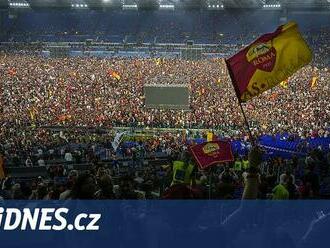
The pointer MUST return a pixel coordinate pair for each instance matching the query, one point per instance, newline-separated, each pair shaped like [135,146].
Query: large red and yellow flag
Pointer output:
[269,60]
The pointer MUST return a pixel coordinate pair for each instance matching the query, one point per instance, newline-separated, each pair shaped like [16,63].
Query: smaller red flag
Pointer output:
[64,117]
[210,153]
[12,72]
[114,74]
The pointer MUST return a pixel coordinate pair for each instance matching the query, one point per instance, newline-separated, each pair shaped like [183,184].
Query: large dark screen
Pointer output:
[167,96]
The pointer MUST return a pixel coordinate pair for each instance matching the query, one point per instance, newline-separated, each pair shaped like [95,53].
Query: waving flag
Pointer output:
[114,74]
[64,117]
[269,60]
[12,72]
[117,140]
[32,113]
[314,82]
[210,153]
[159,61]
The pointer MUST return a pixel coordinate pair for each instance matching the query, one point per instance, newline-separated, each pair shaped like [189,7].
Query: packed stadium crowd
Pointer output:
[72,94]
[94,92]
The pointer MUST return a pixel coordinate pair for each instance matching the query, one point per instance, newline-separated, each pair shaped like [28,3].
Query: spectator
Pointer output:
[106,188]
[41,162]
[28,162]
[252,179]
[84,188]
[280,192]
[71,180]
[68,157]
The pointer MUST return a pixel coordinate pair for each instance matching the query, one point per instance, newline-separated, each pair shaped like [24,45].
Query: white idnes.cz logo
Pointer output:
[46,219]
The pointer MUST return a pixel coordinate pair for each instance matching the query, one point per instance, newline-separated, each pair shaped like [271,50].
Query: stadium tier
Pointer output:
[233,26]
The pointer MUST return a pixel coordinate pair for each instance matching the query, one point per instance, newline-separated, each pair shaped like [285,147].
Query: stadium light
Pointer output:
[166,6]
[19,5]
[272,6]
[215,6]
[79,6]
[130,6]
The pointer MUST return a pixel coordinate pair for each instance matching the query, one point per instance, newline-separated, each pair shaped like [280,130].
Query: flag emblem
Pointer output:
[211,153]
[262,56]
[211,149]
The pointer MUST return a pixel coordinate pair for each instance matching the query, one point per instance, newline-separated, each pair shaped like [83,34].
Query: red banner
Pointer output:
[210,153]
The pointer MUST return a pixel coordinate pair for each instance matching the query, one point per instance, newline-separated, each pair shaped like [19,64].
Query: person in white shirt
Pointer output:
[41,162]
[72,177]
[68,157]
[40,152]
[28,162]
[138,179]
[51,153]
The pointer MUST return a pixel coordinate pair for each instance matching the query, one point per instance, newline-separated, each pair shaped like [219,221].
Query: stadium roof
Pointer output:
[165,4]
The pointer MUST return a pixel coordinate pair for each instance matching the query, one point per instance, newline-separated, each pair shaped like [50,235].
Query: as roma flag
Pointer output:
[210,153]
[269,60]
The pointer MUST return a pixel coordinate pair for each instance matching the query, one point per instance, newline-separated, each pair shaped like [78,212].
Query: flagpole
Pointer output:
[240,104]
[246,123]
